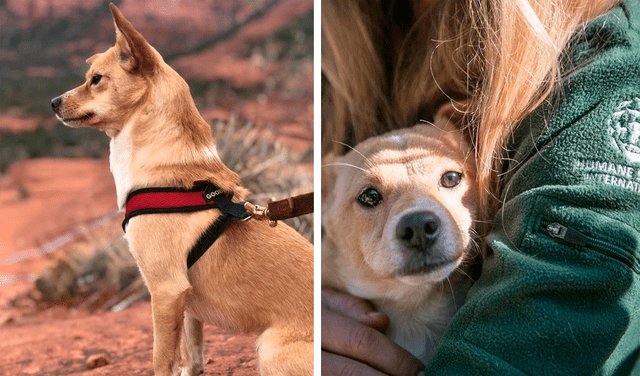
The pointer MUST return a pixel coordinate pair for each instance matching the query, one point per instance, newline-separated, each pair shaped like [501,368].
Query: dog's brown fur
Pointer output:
[254,278]
[361,251]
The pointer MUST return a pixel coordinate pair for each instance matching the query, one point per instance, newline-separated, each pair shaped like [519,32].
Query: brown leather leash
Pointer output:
[283,209]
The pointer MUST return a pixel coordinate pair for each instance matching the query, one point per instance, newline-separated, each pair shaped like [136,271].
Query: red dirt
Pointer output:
[59,341]
[43,198]
[18,123]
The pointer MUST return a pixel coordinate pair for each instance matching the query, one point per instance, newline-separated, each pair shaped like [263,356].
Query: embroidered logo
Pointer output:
[210,194]
[624,129]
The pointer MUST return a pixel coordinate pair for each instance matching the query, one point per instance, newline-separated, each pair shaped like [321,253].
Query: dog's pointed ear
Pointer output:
[135,53]
[452,115]
[451,112]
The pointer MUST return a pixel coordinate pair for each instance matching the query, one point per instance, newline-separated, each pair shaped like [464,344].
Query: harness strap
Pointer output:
[230,211]
[203,197]
[181,200]
[207,239]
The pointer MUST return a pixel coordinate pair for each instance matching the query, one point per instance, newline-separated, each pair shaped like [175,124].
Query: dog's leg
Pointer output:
[280,353]
[167,308]
[192,347]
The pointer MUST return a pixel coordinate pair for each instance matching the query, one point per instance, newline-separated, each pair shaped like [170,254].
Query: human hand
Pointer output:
[353,342]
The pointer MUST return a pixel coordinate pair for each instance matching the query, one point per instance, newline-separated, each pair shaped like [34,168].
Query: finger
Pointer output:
[343,336]
[355,308]
[336,365]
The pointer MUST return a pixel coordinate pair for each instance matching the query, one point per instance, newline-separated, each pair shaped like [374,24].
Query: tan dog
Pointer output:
[398,214]
[254,278]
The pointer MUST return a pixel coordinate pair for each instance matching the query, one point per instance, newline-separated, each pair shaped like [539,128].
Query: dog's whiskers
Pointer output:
[453,294]
[386,294]
[459,270]
[367,160]
[345,165]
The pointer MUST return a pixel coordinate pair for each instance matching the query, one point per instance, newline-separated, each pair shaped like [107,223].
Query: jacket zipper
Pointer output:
[580,240]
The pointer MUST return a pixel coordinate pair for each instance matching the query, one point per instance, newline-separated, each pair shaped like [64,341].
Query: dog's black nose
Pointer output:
[418,231]
[55,103]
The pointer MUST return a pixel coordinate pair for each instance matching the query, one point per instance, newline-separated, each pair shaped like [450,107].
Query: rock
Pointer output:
[33,370]
[6,319]
[97,361]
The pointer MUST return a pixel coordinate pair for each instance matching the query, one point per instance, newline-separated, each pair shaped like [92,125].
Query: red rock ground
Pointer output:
[59,342]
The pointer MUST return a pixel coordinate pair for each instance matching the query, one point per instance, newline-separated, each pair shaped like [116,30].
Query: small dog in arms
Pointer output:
[399,216]
[253,278]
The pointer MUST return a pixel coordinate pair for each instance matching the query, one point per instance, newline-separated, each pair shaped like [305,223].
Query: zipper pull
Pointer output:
[569,235]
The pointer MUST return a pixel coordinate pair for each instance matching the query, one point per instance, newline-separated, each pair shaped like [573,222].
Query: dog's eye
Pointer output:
[450,179]
[370,197]
[96,79]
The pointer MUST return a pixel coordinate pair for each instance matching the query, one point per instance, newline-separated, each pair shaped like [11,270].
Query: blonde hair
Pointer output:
[496,60]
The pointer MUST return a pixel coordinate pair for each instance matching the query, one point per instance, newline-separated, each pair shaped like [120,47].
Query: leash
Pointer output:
[205,197]
[284,209]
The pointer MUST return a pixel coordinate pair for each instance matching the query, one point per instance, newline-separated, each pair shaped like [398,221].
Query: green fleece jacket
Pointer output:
[560,292]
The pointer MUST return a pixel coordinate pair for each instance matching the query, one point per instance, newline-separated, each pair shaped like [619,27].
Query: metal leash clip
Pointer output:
[280,210]
[259,212]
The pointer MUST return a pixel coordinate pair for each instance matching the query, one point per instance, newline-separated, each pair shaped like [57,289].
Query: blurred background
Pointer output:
[249,64]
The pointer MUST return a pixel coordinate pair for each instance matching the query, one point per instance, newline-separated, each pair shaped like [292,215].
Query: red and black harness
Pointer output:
[204,197]
[181,200]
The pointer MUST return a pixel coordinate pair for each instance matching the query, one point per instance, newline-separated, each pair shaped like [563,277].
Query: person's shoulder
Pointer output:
[613,38]
[631,9]
[591,116]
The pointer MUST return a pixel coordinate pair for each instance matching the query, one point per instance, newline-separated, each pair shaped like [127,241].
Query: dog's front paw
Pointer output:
[192,371]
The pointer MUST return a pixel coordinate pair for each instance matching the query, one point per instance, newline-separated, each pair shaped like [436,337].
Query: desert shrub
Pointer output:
[57,142]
